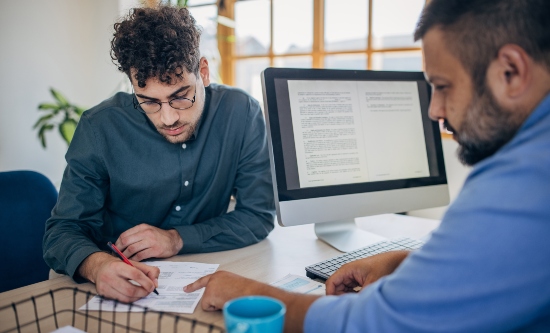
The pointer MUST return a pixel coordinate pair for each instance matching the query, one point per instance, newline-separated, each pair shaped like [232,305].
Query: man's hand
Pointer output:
[112,277]
[145,241]
[224,286]
[362,272]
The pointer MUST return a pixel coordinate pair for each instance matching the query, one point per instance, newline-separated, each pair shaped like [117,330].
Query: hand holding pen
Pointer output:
[123,257]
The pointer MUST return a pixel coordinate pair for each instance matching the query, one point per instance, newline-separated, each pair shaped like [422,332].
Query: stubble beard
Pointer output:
[182,137]
[486,128]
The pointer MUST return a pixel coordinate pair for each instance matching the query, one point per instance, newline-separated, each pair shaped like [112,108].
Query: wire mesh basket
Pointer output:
[58,308]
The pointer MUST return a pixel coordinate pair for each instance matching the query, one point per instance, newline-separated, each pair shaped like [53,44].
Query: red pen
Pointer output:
[123,257]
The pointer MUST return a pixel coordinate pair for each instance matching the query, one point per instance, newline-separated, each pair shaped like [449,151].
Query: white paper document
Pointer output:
[353,132]
[300,284]
[173,277]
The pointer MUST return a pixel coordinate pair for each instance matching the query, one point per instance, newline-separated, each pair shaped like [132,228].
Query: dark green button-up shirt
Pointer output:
[121,172]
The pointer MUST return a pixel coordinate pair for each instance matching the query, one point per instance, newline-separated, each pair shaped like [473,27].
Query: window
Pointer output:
[205,13]
[343,34]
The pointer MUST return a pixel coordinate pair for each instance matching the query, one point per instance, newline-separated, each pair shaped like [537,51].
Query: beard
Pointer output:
[486,128]
[183,136]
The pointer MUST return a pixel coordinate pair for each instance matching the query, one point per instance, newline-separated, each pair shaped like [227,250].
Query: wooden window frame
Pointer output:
[226,41]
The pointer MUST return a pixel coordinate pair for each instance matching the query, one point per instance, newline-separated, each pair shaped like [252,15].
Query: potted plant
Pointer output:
[61,114]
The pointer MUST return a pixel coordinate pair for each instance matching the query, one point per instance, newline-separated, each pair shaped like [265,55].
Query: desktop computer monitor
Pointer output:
[350,143]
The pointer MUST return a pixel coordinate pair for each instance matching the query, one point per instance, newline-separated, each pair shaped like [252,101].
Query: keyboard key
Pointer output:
[325,269]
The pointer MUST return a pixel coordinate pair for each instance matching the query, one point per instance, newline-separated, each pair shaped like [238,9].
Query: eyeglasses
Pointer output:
[178,103]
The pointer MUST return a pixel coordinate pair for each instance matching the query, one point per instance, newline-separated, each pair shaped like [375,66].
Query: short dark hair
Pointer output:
[477,29]
[156,42]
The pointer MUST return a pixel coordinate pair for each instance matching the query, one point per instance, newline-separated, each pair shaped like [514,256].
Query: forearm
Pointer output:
[88,267]
[297,306]
[398,257]
[233,230]
[177,241]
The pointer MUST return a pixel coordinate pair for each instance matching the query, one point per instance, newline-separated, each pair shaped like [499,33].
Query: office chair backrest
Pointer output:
[26,202]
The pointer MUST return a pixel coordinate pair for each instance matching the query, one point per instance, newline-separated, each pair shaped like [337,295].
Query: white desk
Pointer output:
[286,250]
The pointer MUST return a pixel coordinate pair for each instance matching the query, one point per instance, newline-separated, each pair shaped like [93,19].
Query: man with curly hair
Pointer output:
[486,268]
[153,171]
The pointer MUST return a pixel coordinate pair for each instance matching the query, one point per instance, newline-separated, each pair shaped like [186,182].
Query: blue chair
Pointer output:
[26,202]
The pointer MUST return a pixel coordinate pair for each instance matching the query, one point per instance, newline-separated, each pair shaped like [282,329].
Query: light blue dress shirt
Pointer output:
[485,269]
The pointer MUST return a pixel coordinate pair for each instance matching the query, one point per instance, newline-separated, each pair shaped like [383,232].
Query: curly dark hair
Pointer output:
[160,42]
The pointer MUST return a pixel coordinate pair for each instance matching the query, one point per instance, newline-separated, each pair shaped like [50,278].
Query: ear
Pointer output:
[510,74]
[204,71]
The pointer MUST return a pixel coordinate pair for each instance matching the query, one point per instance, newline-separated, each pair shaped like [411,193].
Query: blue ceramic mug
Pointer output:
[254,314]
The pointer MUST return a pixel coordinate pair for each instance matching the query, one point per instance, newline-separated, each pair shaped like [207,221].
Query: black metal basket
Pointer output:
[60,307]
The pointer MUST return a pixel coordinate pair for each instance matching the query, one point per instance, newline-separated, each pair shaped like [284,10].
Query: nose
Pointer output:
[437,107]
[168,115]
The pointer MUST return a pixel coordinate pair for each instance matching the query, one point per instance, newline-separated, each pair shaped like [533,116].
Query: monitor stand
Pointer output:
[344,235]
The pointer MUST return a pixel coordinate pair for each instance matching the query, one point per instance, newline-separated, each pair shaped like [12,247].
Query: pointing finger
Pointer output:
[200,283]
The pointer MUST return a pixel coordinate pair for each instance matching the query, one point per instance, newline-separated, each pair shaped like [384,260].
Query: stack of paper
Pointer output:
[173,277]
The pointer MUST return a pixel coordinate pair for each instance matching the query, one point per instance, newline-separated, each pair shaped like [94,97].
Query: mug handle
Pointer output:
[240,328]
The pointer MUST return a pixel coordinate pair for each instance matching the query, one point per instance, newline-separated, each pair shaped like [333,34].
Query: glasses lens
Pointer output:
[181,103]
[150,107]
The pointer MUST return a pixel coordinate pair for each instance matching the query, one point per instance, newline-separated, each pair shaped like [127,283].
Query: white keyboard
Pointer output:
[324,269]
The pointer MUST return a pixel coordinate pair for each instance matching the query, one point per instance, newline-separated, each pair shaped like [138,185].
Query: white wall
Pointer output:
[56,43]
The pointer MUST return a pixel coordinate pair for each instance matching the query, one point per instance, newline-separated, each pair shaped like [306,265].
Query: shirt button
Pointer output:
[178,208]
[186,183]
[184,146]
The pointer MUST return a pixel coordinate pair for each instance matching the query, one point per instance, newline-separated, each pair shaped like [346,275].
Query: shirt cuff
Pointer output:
[74,261]
[192,240]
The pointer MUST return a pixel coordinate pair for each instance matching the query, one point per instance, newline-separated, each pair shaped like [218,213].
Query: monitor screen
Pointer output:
[348,143]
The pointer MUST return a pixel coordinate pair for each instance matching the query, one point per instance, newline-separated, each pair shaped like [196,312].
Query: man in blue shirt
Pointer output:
[486,268]
[153,171]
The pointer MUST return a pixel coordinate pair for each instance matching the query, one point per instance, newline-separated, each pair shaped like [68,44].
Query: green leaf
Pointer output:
[48,106]
[42,119]
[43,129]
[67,128]
[60,98]
[42,139]
[71,114]
[79,111]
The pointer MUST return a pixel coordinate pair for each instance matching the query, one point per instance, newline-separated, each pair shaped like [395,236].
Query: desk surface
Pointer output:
[284,251]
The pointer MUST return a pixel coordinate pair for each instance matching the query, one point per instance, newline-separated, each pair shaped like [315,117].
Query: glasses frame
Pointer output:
[137,104]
